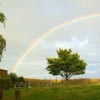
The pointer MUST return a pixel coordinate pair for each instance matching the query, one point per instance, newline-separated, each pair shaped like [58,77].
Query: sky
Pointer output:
[28,20]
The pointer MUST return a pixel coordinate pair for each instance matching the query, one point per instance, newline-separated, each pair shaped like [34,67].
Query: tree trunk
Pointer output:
[66,76]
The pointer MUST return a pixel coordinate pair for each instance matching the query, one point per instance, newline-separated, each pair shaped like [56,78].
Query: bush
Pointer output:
[5,83]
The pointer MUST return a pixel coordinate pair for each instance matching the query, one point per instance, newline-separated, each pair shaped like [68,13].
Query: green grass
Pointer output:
[61,92]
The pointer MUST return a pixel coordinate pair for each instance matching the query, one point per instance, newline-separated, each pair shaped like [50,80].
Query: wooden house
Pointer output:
[3,73]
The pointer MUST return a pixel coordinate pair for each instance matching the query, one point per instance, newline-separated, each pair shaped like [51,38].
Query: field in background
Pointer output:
[77,89]
[41,82]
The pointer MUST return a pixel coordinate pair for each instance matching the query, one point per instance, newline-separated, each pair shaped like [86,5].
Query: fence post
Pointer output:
[1,92]
[17,95]
[26,86]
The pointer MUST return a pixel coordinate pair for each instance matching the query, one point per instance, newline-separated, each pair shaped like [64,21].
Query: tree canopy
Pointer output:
[2,46]
[66,64]
[2,18]
[2,40]
[15,79]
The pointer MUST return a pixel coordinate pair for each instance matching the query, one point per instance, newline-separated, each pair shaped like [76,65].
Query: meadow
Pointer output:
[83,89]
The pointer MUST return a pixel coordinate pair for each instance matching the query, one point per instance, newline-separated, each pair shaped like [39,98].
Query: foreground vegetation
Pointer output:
[82,90]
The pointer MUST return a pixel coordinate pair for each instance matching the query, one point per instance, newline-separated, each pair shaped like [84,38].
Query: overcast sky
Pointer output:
[27,20]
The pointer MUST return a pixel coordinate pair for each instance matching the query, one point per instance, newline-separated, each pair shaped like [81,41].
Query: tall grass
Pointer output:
[38,82]
[81,81]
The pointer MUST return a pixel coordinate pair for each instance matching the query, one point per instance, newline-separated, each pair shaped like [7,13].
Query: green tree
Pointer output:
[2,40]
[21,79]
[13,77]
[2,18]
[15,80]
[2,46]
[66,64]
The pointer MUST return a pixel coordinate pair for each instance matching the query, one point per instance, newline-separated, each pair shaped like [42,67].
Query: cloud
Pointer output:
[97,64]
[27,22]
[62,44]
[83,43]
[91,72]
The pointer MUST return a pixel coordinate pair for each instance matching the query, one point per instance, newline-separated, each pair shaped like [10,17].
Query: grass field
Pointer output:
[59,92]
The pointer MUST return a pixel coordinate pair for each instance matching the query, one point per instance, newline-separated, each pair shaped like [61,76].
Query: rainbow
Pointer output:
[44,35]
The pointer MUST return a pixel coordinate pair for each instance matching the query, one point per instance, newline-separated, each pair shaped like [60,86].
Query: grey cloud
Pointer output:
[27,22]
